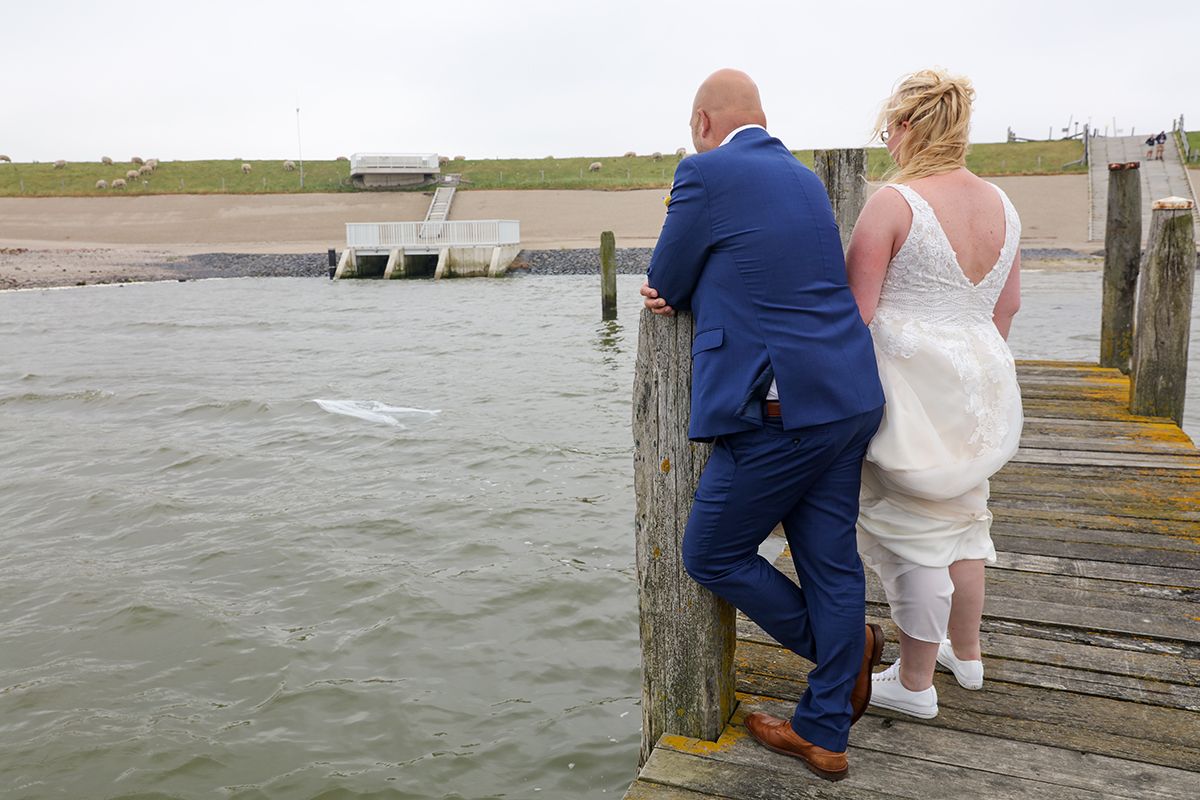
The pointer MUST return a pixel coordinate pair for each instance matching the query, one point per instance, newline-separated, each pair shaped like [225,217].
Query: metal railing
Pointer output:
[432,235]
[394,162]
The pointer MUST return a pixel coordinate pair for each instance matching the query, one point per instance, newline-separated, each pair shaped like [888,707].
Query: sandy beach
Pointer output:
[67,240]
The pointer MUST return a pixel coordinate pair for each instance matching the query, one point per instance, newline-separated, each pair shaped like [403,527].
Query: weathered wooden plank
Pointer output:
[1003,662]
[1067,368]
[744,769]
[1142,598]
[761,778]
[1113,777]
[642,789]
[1174,533]
[1096,604]
[1103,570]
[1071,409]
[1012,497]
[1165,667]
[1043,542]
[1046,455]
[1149,733]
[1106,443]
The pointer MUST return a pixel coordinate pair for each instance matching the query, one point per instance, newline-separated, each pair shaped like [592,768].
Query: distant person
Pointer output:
[1160,142]
[784,384]
[934,263]
[1150,147]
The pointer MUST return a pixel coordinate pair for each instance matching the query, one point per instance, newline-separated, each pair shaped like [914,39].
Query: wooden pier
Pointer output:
[1091,634]
[1091,627]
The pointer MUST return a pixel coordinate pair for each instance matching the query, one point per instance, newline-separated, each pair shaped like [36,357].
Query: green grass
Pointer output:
[173,177]
[1194,144]
[618,172]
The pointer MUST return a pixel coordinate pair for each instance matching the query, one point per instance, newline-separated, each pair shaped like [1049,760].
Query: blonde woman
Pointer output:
[935,267]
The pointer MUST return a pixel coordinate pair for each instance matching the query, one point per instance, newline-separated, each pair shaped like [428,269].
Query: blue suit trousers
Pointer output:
[808,479]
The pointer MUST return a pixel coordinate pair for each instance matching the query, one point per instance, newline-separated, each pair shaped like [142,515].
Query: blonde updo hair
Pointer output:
[937,107]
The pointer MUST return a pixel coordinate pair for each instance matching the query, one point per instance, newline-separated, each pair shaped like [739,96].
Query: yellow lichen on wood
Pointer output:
[699,747]
[665,466]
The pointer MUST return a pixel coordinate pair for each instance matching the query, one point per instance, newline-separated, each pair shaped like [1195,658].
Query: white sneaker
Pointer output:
[888,692]
[969,674]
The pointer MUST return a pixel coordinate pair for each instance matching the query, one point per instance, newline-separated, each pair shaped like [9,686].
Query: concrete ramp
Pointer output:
[1166,178]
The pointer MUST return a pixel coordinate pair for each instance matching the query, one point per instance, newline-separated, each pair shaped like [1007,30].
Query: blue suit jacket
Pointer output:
[751,248]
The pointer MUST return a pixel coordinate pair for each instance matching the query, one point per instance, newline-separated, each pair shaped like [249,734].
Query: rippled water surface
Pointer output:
[290,538]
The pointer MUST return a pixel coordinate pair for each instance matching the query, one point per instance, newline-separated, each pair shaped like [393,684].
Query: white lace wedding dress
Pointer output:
[953,415]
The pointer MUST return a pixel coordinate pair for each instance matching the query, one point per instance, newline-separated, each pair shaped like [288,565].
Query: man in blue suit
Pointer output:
[784,384]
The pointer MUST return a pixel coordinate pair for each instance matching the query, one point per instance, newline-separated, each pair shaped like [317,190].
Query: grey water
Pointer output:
[292,538]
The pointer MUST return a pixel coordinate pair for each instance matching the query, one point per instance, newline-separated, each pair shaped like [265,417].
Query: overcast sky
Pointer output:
[527,78]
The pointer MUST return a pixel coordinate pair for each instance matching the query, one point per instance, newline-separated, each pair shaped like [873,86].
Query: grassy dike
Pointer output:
[618,172]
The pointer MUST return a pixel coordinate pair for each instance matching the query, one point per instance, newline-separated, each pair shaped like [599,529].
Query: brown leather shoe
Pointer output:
[860,698]
[776,734]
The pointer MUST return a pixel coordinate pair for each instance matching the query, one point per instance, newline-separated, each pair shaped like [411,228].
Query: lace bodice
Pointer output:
[925,282]
[931,314]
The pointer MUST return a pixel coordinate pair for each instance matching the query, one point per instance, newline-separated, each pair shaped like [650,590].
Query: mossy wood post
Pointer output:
[1158,383]
[844,173]
[1122,252]
[608,275]
[687,633]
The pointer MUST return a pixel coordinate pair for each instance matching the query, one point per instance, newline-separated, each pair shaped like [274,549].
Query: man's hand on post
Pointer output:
[654,302]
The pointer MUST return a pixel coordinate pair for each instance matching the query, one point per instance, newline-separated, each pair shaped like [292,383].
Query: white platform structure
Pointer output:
[373,170]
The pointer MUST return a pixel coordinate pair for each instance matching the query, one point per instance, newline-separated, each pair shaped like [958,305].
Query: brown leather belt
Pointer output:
[772,408]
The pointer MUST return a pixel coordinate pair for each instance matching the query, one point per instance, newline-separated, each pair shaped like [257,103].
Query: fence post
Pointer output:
[608,276]
[687,633]
[844,173]
[1160,347]
[1122,252]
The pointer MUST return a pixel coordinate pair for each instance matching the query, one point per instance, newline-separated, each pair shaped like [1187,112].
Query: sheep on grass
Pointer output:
[594,166]
[341,158]
[288,166]
[460,158]
[6,159]
[443,160]
[137,160]
[657,156]
[119,183]
[246,169]
[59,164]
[131,175]
[145,169]
[101,184]
[152,163]
[681,152]
[629,154]
[106,161]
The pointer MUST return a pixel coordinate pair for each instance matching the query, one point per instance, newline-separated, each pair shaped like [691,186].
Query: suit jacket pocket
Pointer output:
[708,340]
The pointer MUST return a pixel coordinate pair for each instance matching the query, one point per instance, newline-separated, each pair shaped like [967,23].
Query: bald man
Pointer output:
[784,384]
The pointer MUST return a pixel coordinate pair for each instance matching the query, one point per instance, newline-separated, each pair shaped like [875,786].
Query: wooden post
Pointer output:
[1164,310]
[608,276]
[1122,252]
[687,633]
[844,173]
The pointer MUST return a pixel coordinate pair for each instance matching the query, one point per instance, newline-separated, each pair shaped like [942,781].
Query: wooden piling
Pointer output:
[608,276]
[844,173]
[1164,309]
[687,633]
[1122,254]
